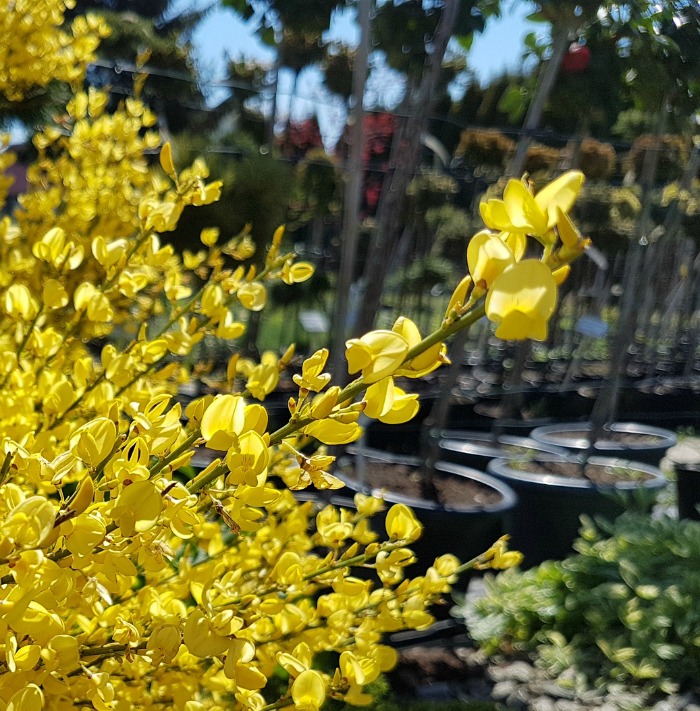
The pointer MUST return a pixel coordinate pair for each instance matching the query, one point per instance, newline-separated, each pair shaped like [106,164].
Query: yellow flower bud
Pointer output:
[166,159]
[402,525]
[323,403]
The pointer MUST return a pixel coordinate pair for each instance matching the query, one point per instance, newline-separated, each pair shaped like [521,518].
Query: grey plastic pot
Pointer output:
[547,519]
[573,436]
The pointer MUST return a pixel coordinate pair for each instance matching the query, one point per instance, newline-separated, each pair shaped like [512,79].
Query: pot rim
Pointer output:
[482,444]
[509,498]
[542,434]
[502,468]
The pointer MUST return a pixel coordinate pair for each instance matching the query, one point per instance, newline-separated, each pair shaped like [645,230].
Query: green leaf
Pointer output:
[267,36]
[513,102]
[531,41]
[647,592]
[465,41]
[668,651]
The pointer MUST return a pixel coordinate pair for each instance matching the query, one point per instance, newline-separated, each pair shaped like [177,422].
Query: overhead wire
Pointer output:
[269,88]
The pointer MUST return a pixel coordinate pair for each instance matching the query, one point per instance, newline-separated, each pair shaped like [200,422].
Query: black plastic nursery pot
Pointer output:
[477,449]
[628,440]
[688,491]
[465,531]
[402,439]
[685,458]
[547,519]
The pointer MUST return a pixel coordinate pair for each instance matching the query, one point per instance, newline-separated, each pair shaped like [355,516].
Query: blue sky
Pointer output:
[496,50]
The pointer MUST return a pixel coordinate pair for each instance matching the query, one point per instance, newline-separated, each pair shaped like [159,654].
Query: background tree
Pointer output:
[295,29]
[446,19]
[160,35]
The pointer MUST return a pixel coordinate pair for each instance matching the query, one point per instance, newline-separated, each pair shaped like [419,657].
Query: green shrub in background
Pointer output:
[484,147]
[673,155]
[597,160]
[541,159]
[622,612]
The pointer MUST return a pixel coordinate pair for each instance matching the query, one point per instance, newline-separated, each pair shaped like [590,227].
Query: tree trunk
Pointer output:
[545,84]
[270,127]
[407,151]
[351,199]
[605,408]
[292,96]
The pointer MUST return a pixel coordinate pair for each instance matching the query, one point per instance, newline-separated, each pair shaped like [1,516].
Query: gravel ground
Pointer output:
[441,673]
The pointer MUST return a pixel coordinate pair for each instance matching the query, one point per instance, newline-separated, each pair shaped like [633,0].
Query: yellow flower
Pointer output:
[487,257]
[164,643]
[402,525]
[390,565]
[498,557]
[312,376]
[377,354]
[94,441]
[322,405]
[537,215]
[521,301]
[252,296]
[30,698]
[263,378]
[308,691]
[296,273]
[30,522]
[573,244]
[426,362]
[390,404]
[368,505]
[333,432]
[137,508]
[166,159]
[247,459]
[19,303]
[223,420]
[237,665]
[297,662]
[201,637]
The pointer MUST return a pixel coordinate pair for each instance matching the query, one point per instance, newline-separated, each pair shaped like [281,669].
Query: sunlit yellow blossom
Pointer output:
[487,256]
[312,376]
[521,301]
[499,557]
[390,404]
[333,431]
[402,525]
[425,362]
[154,554]
[538,214]
[308,691]
[377,354]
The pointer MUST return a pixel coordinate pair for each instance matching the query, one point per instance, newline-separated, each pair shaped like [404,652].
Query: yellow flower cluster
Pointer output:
[521,293]
[36,50]
[126,583]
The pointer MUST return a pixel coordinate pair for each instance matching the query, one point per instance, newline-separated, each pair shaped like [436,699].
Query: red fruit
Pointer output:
[577,59]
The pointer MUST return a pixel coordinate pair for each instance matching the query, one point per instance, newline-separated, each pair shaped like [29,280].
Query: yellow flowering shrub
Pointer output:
[125,584]
[37,49]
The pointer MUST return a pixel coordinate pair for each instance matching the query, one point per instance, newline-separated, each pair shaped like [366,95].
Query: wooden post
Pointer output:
[351,199]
